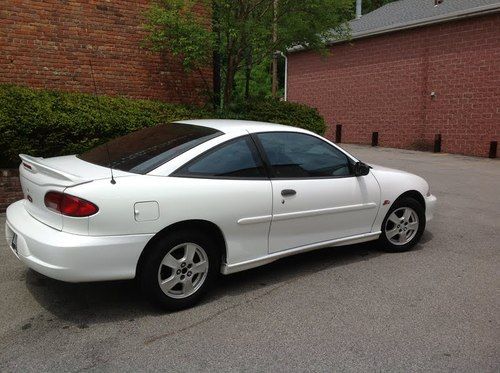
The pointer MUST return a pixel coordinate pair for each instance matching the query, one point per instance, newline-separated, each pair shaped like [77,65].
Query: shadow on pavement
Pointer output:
[101,302]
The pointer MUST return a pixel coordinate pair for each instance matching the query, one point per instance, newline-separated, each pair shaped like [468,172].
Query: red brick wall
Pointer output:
[48,44]
[10,188]
[384,84]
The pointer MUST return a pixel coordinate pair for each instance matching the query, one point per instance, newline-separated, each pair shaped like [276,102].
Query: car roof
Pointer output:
[232,125]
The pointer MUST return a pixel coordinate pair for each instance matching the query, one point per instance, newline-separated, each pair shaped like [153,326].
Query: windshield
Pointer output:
[142,151]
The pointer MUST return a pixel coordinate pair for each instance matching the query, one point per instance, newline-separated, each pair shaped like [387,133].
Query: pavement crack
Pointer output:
[216,314]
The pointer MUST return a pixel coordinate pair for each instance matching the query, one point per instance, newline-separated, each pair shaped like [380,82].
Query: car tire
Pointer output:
[171,275]
[403,225]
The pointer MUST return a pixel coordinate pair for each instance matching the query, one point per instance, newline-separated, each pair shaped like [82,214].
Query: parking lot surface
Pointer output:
[352,308]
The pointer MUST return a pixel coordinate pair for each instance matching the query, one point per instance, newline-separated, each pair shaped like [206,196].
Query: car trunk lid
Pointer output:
[39,176]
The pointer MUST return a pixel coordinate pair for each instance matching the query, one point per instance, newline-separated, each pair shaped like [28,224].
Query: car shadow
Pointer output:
[84,304]
[293,267]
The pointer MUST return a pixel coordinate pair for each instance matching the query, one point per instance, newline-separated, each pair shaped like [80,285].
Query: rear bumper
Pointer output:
[430,206]
[70,257]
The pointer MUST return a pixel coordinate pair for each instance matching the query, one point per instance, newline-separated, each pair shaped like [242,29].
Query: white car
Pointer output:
[176,204]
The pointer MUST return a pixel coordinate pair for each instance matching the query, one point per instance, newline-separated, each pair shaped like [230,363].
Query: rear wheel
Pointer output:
[179,269]
[403,225]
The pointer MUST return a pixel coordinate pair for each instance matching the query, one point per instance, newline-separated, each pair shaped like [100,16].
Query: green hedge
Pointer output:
[282,112]
[49,123]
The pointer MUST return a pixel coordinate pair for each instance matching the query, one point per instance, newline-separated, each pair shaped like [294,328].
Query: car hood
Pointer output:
[377,168]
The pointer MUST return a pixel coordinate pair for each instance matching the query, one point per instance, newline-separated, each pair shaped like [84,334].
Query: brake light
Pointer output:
[69,205]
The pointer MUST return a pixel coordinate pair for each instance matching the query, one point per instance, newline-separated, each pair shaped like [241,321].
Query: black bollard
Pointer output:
[338,133]
[493,149]
[437,143]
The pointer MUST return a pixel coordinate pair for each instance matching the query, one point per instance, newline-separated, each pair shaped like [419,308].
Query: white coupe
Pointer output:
[175,205]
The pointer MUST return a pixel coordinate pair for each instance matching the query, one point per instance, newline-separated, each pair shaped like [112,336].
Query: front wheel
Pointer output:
[179,269]
[403,225]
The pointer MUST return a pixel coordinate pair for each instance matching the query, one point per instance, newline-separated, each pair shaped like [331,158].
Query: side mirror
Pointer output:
[361,169]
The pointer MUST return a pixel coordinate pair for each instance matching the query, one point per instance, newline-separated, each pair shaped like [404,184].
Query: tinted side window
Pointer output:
[236,158]
[296,155]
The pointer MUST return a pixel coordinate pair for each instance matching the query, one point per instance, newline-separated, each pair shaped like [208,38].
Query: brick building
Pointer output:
[413,69]
[48,44]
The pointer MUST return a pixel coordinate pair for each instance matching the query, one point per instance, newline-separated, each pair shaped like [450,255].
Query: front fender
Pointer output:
[393,183]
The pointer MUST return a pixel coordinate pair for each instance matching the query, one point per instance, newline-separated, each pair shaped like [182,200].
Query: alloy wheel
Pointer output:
[183,270]
[401,226]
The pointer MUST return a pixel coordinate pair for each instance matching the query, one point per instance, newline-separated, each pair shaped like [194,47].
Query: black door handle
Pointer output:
[288,192]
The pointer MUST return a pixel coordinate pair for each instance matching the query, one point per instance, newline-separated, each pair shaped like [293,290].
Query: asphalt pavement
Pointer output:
[352,308]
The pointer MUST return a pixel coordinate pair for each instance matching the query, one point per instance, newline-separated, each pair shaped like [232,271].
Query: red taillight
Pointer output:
[69,205]
[74,206]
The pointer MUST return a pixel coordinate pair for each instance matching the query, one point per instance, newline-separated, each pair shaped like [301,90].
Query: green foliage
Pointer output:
[175,26]
[310,23]
[259,84]
[275,111]
[370,5]
[247,31]
[48,123]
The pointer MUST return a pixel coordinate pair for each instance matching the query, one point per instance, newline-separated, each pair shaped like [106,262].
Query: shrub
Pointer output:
[50,123]
[282,112]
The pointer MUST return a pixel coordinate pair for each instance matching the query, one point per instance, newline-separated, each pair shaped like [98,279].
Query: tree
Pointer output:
[370,5]
[176,26]
[244,31]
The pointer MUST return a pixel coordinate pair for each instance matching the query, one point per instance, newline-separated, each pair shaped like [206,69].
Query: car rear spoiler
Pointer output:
[35,165]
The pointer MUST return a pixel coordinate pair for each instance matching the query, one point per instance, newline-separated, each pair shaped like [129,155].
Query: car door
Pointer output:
[316,196]
[227,185]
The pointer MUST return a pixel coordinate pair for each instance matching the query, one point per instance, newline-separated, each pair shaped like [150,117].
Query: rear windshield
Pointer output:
[142,151]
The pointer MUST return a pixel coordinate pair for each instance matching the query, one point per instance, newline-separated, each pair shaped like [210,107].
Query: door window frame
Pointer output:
[270,168]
